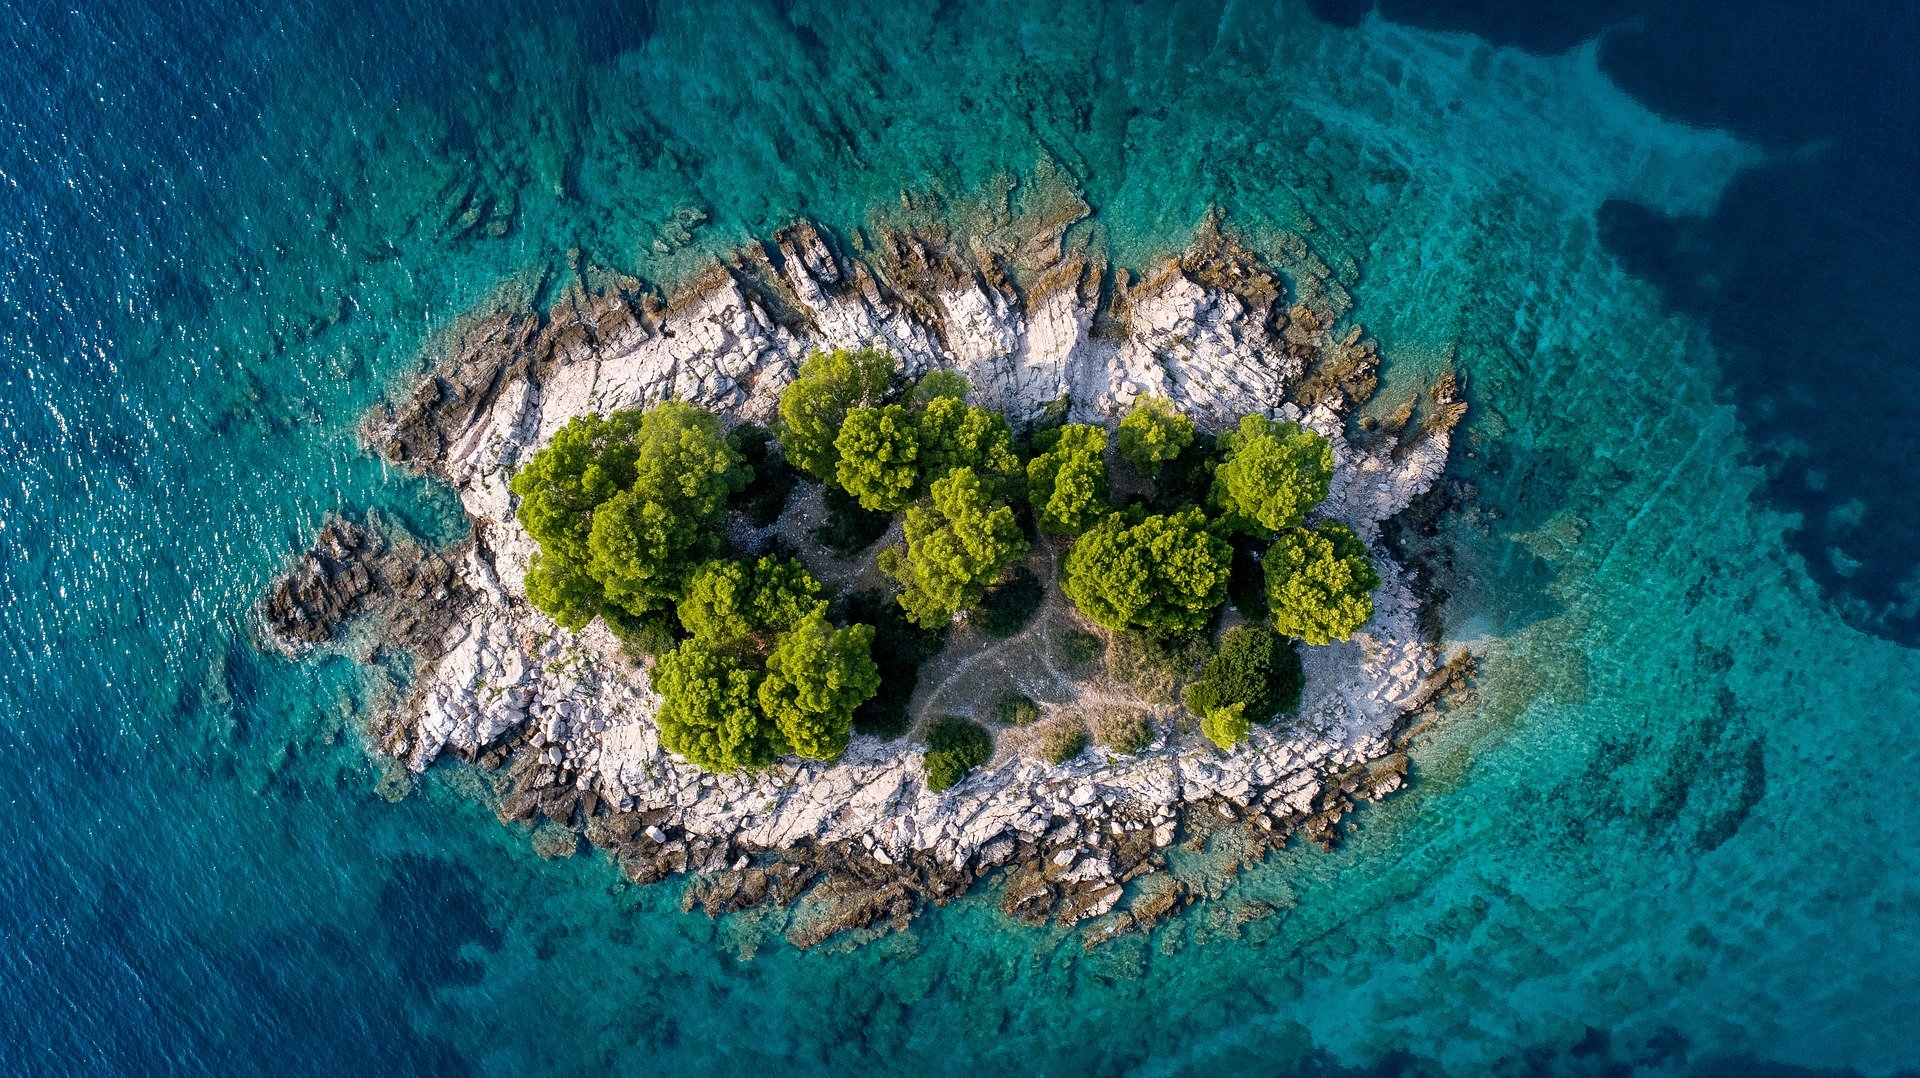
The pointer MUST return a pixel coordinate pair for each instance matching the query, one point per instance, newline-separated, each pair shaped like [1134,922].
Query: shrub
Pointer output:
[1013,709]
[1152,434]
[1225,726]
[1255,669]
[1271,474]
[1320,583]
[1162,574]
[815,404]
[1124,730]
[956,544]
[1060,740]
[1067,481]
[879,451]
[954,748]
[1009,605]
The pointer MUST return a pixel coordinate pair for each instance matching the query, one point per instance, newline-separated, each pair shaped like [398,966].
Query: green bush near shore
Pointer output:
[1255,669]
[1320,583]
[1014,709]
[1060,739]
[954,748]
[1124,730]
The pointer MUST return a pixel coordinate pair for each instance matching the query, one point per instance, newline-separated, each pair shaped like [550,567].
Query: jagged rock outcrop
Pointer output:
[354,569]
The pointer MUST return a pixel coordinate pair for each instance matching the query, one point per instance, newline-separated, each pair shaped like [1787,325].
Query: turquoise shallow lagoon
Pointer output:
[1676,834]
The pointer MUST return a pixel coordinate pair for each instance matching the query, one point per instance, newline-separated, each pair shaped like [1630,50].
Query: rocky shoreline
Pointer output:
[562,720]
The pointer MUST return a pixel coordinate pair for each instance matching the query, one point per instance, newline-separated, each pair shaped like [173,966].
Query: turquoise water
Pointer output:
[1676,834]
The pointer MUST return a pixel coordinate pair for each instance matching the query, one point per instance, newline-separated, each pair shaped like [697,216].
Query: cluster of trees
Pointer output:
[763,673]
[950,465]
[629,510]
[624,507]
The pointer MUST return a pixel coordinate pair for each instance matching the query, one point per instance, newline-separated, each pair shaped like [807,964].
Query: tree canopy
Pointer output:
[816,403]
[742,602]
[954,434]
[709,712]
[1067,481]
[1271,474]
[1163,574]
[1153,433]
[879,450]
[764,673]
[938,383]
[646,540]
[1320,583]
[589,460]
[957,544]
[816,676]
[622,506]
[629,512]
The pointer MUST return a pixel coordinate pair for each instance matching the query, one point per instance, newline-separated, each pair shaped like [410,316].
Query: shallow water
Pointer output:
[1676,834]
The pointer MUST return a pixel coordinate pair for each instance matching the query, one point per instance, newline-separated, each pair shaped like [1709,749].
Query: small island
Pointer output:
[852,574]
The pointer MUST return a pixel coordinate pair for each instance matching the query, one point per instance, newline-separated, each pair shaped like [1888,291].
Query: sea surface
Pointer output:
[1672,248]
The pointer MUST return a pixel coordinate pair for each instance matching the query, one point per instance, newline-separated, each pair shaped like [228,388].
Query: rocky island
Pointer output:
[1032,731]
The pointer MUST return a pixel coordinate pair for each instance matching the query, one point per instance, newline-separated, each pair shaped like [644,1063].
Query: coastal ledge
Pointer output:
[563,720]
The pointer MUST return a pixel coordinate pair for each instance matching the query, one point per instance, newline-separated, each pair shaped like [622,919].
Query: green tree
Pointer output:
[646,540]
[1271,474]
[816,403]
[564,590]
[733,603]
[1256,668]
[816,676]
[879,450]
[1226,726]
[954,434]
[899,648]
[1164,574]
[938,383]
[1152,434]
[954,748]
[589,460]
[1067,481]
[708,711]
[1320,583]
[958,543]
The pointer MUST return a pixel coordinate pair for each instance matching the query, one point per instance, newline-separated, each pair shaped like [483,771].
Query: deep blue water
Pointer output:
[1672,248]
